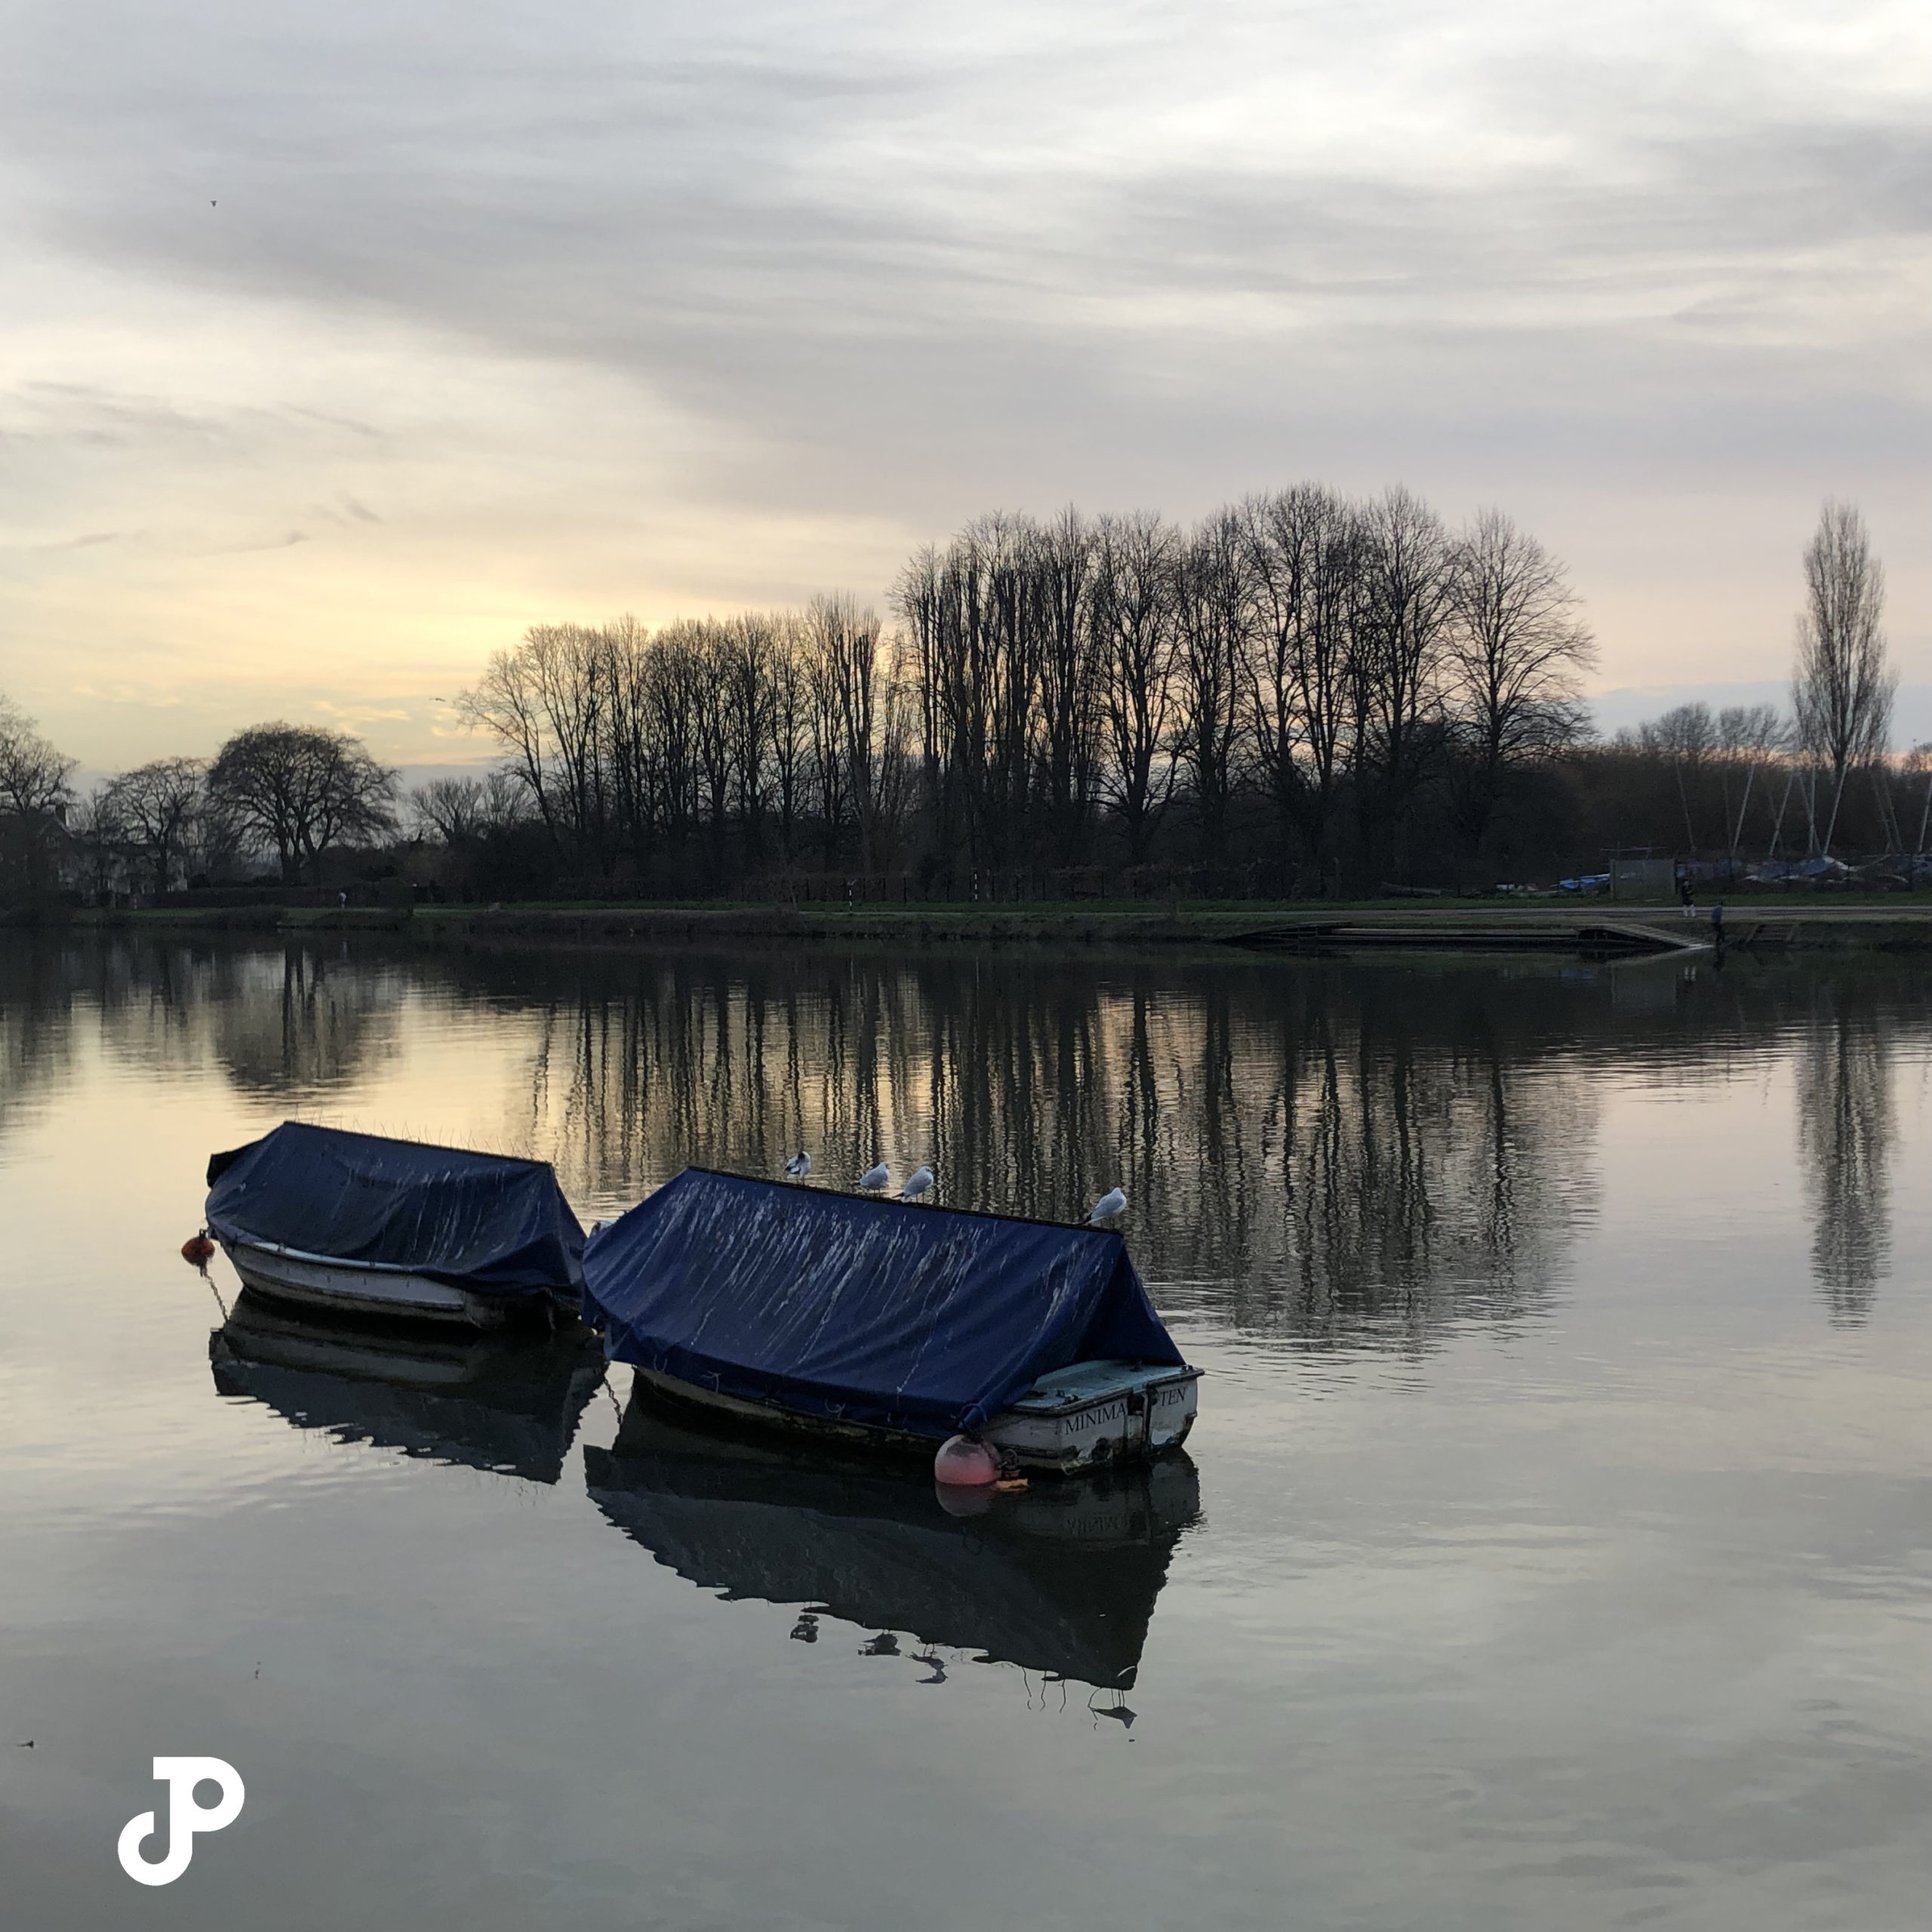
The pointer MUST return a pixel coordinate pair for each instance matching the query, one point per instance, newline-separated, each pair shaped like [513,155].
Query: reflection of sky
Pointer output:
[343,344]
[1614,1598]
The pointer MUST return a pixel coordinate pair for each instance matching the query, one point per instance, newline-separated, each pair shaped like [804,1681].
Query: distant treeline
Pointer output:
[1303,694]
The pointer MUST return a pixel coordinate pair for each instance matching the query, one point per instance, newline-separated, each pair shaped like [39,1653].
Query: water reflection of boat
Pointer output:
[511,1407]
[1060,1578]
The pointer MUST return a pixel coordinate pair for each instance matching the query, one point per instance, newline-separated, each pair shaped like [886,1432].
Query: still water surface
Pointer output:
[1556,1552]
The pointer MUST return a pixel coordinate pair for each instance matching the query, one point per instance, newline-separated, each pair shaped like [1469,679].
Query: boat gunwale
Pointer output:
[556,1290]
[288,1253]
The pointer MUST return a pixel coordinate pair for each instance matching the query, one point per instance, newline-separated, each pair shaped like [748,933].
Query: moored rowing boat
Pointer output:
[370,1225]
[871,1322]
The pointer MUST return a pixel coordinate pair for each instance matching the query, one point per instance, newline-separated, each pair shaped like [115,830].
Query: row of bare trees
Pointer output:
[1331,659]
[1311,691]
[708,748]
[1296,674]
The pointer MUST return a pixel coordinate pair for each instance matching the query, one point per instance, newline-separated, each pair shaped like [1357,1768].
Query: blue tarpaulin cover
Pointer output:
[477,1221]
[923,1320]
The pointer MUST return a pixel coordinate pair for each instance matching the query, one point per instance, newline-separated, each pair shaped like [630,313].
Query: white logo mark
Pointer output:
[185,1817]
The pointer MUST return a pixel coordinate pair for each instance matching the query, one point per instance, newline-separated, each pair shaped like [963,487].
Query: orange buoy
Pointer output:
[199,1250]
[965,1464]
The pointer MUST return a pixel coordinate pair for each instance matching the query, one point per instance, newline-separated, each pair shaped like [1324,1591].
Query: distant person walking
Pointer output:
[1716,925]
[1684,893]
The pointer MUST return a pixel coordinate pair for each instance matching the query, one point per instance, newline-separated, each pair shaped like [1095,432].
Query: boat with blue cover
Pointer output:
[365,1225]
[893,1325]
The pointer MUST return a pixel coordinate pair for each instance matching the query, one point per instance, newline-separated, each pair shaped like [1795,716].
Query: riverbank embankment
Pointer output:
[1885,925]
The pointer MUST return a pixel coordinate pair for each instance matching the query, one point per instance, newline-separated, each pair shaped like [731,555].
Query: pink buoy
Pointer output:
[965,1464]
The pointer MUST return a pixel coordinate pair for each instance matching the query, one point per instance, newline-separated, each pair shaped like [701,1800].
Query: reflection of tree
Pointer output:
[1845,1133]
[281,1020]
[36,1032]
[1416,1161]
[299,1021]
[1321,1150]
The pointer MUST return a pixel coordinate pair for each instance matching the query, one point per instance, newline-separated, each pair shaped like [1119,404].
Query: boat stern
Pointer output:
[1096,1414]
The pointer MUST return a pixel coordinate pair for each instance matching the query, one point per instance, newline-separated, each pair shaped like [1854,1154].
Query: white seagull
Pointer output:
[881,1177]
[1110,1204]
[921,1183]
[799,1165]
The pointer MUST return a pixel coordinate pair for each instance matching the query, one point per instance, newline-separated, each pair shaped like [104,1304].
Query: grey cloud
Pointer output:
[89,542]
[915,259]
[285,542]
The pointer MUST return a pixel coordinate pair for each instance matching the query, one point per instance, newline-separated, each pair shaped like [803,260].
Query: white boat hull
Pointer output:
[360,1287]
[1089,1417]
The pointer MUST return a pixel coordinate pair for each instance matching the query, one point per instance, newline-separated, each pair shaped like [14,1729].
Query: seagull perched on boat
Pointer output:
[921,1183]
[1110,1204]
[880,1177]
[799,1165]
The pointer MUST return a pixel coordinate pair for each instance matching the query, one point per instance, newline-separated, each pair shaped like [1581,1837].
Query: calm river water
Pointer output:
[1556,1550]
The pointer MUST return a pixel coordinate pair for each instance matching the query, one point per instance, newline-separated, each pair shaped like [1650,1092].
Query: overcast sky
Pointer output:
[339,343]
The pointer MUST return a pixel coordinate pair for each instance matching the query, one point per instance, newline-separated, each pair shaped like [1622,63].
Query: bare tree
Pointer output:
[458,811]
[839,713]
[1403,616]
[35,794]
[33,775]
[1064,553]
[1752,738]
[1215,611]
[156,810]
[790,706]
[99,843]
[1136,567]
[895,764]
[547,703]
[302,791]
[697,656]
[1686,736]
[976,618]
[1514,654]
[1841,688]
[1304,552]
[751,649]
